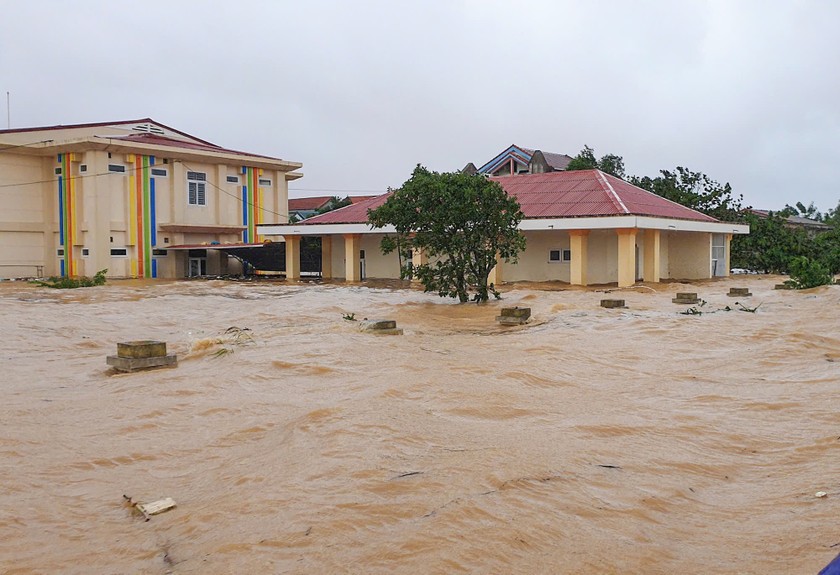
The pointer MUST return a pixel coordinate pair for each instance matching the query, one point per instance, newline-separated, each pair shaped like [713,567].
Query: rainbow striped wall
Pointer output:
[252,202]
[67,217]
[142,218]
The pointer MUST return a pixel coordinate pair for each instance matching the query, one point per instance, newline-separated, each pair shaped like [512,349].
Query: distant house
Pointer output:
[515,160]
[302,208]
[582,227]
[813,227]
[136,197]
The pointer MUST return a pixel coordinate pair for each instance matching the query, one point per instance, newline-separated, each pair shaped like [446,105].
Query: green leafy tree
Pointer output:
[799,209]
[807,273]
[694,190]
[770,244]
[586,160]
[460,221]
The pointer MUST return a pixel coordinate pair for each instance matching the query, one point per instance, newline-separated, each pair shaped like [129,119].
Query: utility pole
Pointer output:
[8,111]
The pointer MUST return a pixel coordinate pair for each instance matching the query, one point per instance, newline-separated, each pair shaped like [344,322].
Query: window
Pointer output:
[58,171]
[197,188]
[119,252]
[161,172]
[559,256]
[159,253]
[233,179]
[83,168]
[265,182]
[116,168]
[59,253]
[85,252]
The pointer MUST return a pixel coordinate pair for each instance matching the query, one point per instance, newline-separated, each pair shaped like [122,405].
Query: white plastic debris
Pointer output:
[820,494]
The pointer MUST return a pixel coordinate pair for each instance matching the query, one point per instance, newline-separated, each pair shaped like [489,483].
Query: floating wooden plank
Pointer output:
[156,507]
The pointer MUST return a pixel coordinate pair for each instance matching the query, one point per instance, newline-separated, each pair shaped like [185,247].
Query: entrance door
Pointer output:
[362,274]
[718,255]
[197,267]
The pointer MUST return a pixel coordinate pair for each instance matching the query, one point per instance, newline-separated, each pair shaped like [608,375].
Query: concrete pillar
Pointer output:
[651,272]
[626,256]
[352,267]
[578,240]
[418,258]
[326,257]
[496,276]
[292,257]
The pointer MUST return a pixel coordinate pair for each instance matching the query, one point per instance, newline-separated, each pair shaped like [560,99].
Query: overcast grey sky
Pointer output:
[745,91]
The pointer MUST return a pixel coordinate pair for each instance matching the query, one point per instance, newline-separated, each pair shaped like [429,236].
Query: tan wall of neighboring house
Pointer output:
[533,264]
[683,255]
[690,255]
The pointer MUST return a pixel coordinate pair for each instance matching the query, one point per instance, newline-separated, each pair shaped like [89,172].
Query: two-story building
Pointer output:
[135,197]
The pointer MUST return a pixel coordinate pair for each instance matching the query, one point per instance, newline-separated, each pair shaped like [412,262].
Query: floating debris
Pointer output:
[514,315]
[153,507]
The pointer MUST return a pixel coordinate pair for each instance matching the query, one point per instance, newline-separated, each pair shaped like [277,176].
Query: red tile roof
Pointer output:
[352,214]
[155,140]
[576,194]
[99,124]
[589,193]
[313,203]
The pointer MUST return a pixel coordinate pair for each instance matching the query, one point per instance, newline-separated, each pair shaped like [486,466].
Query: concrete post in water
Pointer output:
[514,315]
[143,354]
[739,292]
[380,327]
[613,303]
[689,298]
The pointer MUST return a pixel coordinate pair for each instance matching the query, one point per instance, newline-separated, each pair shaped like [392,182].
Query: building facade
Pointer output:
[582,227]
[137,198]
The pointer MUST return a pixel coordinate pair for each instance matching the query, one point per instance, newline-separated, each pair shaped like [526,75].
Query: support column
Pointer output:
[326,257]
[292,257]
[626,256]
[651,264]
[496,276]
[418,258]
[352,267]
[578,243]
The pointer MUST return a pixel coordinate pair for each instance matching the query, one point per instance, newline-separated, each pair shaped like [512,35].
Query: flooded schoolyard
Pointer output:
[590,440]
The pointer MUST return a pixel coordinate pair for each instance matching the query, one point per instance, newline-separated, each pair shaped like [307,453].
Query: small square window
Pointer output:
[85,252]
[58,171]
[559,256]
[83,168]
[59,253]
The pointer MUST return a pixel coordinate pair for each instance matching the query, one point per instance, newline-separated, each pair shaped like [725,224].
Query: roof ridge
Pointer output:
[613,195]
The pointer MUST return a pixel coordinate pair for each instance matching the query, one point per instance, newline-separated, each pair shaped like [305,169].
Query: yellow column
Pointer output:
[651,268]
[578,240]
[418,258]
[352,267]
[292,257]
[326,257]
[626,257]
[496,276]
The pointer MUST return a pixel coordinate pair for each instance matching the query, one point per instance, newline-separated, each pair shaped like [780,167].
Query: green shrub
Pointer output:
[807,273]
[73,282]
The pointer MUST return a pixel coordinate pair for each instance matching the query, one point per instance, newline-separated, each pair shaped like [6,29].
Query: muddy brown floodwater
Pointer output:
[588,441]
